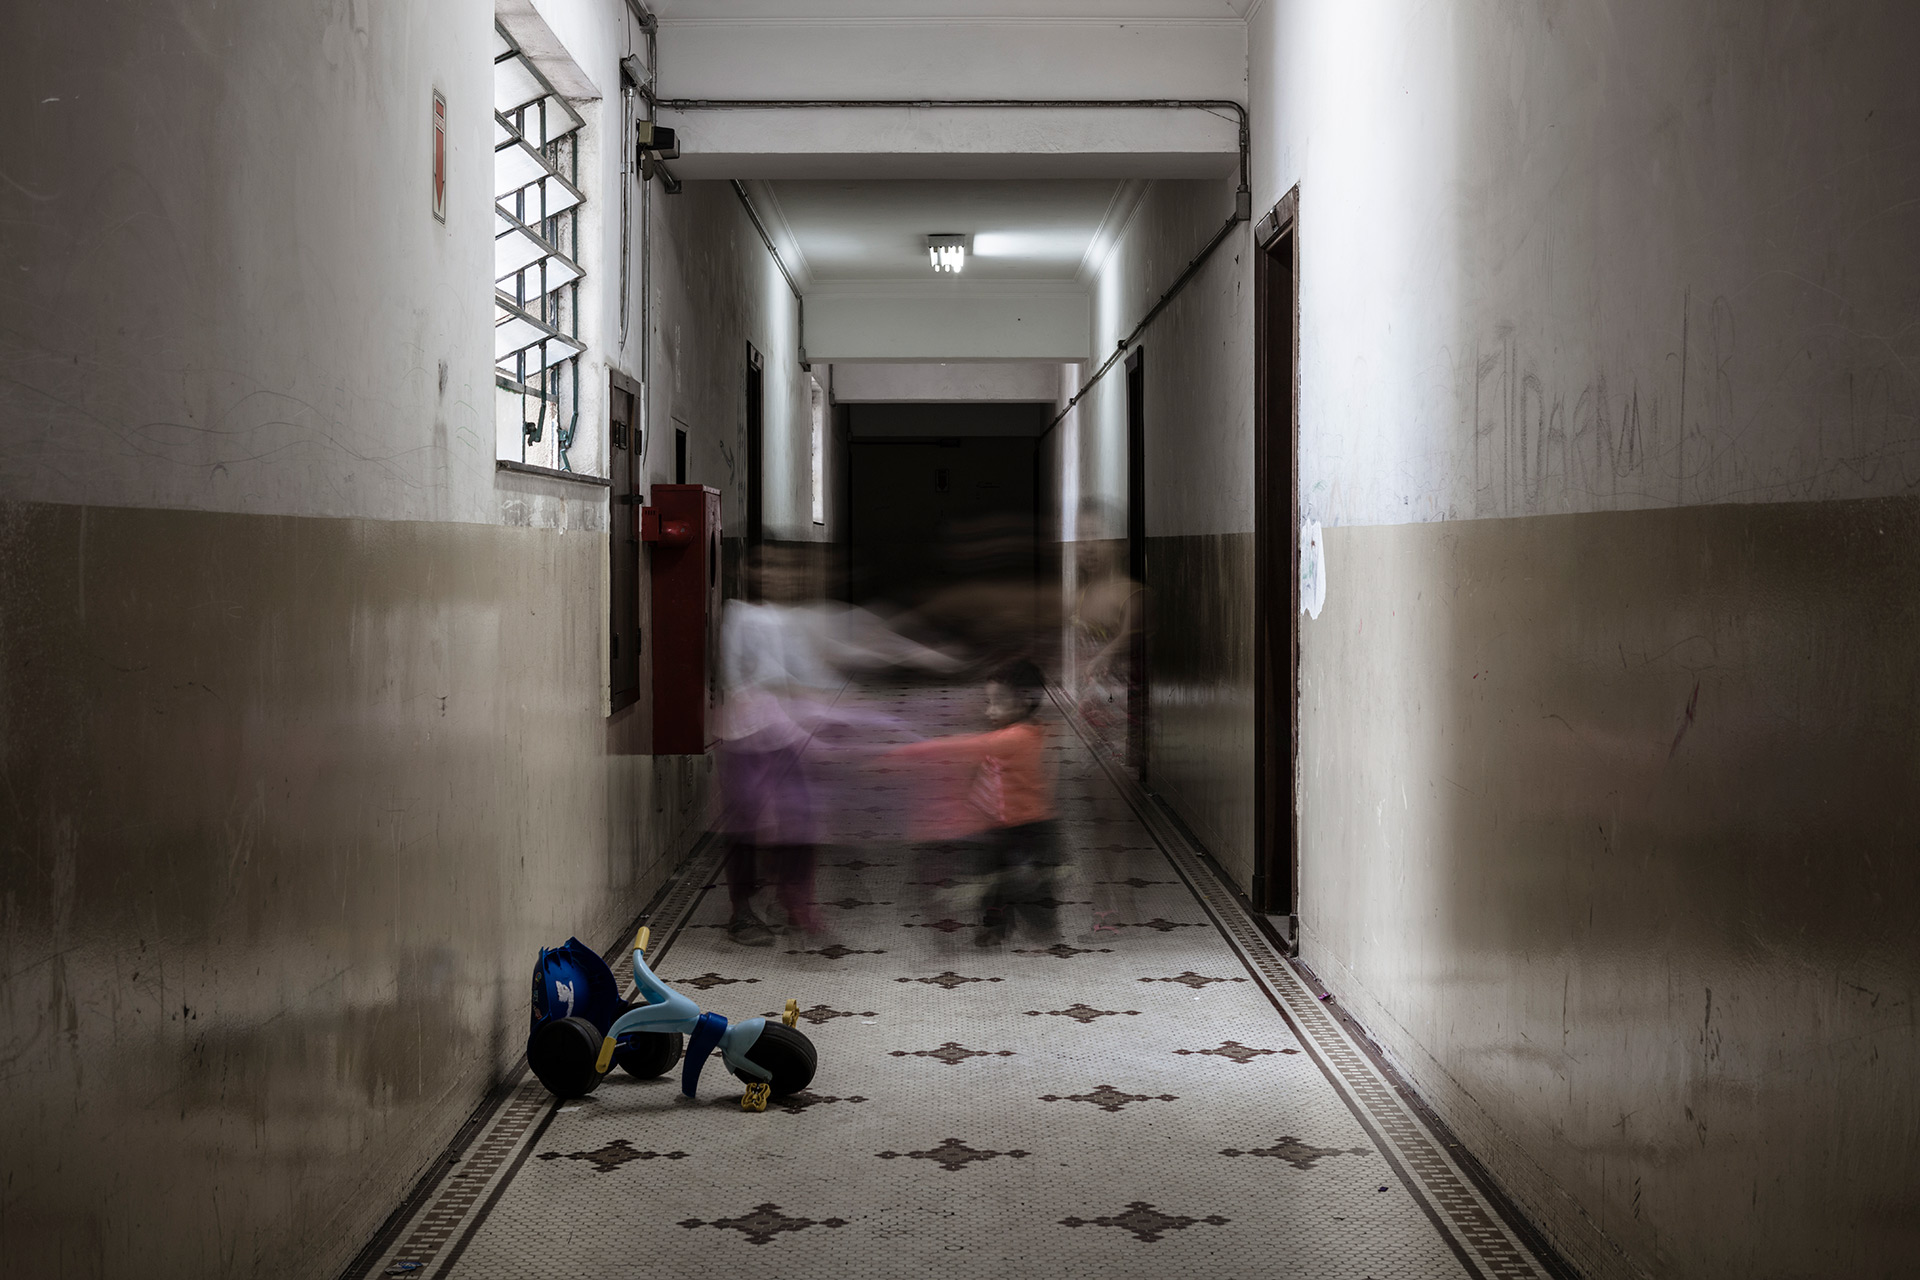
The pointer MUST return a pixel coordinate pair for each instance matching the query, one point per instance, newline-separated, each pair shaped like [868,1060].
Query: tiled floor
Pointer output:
[1127,1097]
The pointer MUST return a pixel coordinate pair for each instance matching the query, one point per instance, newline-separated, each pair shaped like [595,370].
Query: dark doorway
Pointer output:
[679,455]
[1137,702]
[943,517]
[623,540]
[1276,560]
[756,451]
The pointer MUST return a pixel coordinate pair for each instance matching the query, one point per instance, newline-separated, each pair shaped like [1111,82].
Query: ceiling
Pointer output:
[863,232]
[936,10]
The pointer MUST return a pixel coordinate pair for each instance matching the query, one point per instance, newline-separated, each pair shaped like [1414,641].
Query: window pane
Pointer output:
[546,120]
[515,330]
[515,85]
[536,275]
[517,248]
[516,167]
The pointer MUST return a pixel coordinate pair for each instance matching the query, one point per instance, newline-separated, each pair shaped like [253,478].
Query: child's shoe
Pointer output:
[747,930]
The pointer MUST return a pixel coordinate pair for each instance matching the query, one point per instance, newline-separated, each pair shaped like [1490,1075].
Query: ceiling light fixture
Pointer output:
[947,251]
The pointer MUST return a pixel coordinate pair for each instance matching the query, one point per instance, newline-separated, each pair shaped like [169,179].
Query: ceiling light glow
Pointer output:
[1061,244]
[947,251]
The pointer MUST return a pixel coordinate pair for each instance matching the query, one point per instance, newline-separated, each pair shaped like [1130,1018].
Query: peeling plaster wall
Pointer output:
[718,292]
[303,704]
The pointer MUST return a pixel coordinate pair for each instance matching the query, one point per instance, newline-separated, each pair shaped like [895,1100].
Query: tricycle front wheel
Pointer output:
[788,1055]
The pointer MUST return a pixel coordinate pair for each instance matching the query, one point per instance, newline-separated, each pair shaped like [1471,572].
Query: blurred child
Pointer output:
[772,674]
[1009,798]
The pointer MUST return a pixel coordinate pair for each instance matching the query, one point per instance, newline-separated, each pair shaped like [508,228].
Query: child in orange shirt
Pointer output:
[1010,799]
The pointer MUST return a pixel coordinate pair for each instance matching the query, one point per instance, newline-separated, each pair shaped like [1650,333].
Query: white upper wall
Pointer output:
[1197,373]
[239,299]
[717,292]
[225,288]
[1577,257]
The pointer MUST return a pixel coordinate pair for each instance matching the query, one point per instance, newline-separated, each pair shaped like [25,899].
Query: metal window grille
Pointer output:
[536,261]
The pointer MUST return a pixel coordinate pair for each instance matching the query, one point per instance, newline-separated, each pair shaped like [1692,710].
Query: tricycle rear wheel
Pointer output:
[563,1054]
[646,1054]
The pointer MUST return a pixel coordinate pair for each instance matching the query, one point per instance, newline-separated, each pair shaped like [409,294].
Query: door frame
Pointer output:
[756,451]
[625,447]
[1139,701]
[1275,886]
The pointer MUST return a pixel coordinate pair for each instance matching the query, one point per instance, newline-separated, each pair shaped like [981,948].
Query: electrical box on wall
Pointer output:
[682,527]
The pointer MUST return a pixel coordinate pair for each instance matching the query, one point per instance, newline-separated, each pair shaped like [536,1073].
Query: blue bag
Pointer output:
[572,981]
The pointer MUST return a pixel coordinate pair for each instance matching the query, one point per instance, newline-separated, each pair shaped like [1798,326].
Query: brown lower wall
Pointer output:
[289,804]
[1199,612]
[1610,831]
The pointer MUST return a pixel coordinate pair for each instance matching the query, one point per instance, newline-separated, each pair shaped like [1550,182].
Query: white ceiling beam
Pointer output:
[959,10]
[888,142]
[942,326]
[987,58]
[977,381]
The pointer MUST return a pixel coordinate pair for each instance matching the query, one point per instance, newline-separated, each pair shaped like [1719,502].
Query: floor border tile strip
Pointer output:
[453,1198]
[1482,1241]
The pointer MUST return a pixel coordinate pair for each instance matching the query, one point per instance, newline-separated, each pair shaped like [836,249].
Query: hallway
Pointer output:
[1447,472]
[1083,1105]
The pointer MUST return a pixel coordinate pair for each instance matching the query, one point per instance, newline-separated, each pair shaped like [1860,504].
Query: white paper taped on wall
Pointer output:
[1313,569]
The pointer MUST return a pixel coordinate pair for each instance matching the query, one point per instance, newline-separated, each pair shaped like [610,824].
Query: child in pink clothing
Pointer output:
[1009,800]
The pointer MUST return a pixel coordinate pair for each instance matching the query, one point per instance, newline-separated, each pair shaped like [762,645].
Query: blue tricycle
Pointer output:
[582,1029]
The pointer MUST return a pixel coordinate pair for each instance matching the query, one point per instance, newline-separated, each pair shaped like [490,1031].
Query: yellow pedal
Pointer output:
[792,1015]
[755,1098]
[604,1063]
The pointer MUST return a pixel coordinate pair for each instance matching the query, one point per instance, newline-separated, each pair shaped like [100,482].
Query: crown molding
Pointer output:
[1118,217]
[767,201]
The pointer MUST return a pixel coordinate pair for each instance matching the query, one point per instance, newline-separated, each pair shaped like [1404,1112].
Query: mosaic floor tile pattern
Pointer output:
[1123,1096]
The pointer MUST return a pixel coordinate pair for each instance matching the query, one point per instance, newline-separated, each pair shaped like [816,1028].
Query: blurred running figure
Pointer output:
[1010,792]
[781,663]
[1106,623]
[772,672]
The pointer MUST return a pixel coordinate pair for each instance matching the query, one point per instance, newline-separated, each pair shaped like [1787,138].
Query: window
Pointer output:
[536,262]
[819,401]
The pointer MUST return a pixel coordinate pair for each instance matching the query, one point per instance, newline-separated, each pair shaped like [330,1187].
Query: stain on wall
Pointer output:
[1606,404]
[293,802]
[302,703]
[1607,409]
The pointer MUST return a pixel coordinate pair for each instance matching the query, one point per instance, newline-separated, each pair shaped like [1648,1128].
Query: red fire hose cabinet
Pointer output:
[683,528]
